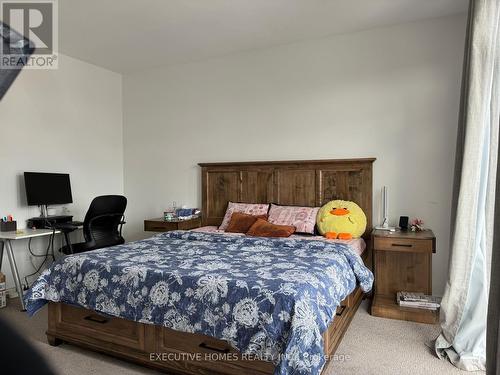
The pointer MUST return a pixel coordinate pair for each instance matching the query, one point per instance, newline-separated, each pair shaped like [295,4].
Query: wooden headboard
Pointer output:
[304,183]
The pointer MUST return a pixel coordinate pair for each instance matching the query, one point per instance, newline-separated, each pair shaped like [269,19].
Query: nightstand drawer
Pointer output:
[189,224]
[160,225]
[404,245]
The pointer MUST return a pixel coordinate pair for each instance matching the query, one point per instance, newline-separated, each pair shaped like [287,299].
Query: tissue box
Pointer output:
[8,226]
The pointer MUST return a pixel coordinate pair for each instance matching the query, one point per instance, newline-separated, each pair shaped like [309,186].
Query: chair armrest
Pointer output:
[122,221]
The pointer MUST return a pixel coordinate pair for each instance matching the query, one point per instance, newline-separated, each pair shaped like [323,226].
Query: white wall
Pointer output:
[67,120]
[391,93]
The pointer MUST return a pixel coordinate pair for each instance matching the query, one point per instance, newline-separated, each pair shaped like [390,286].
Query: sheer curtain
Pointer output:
[465,302]
[493,326]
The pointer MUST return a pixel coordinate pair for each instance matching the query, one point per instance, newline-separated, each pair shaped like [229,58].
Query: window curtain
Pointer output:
[465,302]
[493,325]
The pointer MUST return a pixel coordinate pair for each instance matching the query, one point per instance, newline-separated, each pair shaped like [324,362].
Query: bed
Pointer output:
[239,291]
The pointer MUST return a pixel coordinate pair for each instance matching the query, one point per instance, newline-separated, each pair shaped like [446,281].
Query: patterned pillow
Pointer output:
[246,208]
[302,218]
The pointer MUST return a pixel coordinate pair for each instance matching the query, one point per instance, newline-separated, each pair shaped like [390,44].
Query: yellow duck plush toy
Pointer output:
[341,219]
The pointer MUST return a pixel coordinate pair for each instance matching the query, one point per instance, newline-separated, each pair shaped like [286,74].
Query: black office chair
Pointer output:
[102,226]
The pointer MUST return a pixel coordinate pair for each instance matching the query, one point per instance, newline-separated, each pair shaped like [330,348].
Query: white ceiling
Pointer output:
[128,35]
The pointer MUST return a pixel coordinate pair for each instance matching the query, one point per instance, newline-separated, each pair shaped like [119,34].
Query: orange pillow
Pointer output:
[241,223]
[263,228]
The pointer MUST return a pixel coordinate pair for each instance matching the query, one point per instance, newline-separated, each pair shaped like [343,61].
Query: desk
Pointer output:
[6,238]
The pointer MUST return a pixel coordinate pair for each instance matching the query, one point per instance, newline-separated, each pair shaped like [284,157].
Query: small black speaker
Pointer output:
[403,222]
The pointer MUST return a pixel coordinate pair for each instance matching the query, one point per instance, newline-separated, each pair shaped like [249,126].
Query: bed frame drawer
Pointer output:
[345,313]
[177,340]
[350,300]
[207,355]
[93,325]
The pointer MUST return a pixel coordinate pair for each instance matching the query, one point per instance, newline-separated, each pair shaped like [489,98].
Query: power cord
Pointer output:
[45,256]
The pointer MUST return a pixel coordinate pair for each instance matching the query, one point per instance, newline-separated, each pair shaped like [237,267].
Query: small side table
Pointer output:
[402,262]
[161,225]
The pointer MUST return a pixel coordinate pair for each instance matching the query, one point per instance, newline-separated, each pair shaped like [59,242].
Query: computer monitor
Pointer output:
[43,189]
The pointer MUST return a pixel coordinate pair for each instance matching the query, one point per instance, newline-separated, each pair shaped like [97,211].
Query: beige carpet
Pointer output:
[371,346]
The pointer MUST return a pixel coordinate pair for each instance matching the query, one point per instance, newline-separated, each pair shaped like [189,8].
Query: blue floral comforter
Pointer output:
[270,298]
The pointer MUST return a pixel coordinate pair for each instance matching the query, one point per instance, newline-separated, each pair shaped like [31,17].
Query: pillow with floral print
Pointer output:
[254,209]
[302,218]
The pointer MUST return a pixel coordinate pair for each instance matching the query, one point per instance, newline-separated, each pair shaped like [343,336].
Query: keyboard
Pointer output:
[75,223]
[68,225]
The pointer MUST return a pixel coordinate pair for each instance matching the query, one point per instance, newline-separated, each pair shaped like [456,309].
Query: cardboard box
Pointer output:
[2,282]
[3,292]
[3,299]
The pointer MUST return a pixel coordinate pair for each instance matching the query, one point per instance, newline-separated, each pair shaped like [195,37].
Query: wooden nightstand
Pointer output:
[160,225]
[402,262]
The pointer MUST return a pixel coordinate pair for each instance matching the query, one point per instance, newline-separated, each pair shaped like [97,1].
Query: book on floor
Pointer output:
[418,300]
